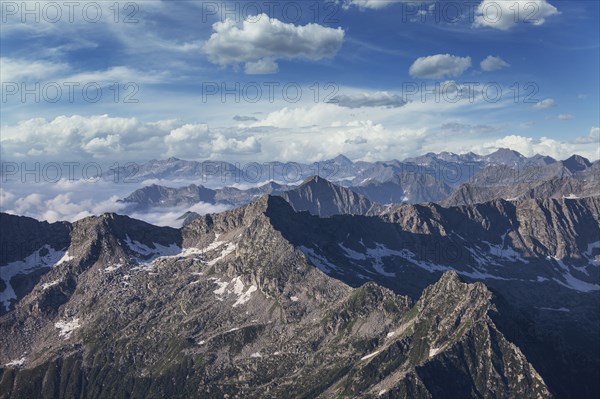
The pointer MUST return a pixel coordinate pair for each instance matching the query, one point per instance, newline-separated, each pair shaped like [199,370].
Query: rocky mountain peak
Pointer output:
[576,163]
[323,198]
[343,160]
[505,156]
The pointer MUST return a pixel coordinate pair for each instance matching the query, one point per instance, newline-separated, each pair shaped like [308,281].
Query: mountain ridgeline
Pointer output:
[317,293]
[446,178]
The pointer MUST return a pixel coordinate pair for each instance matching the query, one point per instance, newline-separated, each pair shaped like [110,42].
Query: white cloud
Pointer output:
[439,66]
[72,206]
[261,67]
[224,145]
[505,14]
[76,138]
[375,99]
[102,146]
[170,216]
[566,117]
[19,70]
[187,139]
[592,138]
[492,63]
[260,41]
[547,103]
[371,4]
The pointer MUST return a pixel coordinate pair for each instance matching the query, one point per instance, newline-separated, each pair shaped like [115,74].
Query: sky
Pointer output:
[116,82]
[298,81]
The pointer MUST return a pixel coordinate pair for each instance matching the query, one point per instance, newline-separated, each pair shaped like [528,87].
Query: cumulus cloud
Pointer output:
[376,99]
[439,66]
[102,146]
[504,15]
[78,137]
[70,135]
[547,103]
[224,145]
[261,67]
[491,63]
[592,138]
[259,42]
[64,206]
[187,139]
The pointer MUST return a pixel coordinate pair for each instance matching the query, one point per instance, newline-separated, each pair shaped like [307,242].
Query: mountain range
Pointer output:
[445,178]
[496,299]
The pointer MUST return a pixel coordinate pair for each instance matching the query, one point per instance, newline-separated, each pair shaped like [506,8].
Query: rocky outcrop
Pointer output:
[320,197]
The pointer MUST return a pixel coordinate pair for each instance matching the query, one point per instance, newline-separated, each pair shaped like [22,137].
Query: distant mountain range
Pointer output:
[396,280]
[504,174]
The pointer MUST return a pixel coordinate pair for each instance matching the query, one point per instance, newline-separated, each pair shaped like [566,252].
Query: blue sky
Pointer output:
[362,53]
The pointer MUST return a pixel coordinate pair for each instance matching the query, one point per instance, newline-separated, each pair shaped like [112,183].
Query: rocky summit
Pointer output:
[271,300]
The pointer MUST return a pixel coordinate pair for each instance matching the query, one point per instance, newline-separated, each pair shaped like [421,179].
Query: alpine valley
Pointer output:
[480,279]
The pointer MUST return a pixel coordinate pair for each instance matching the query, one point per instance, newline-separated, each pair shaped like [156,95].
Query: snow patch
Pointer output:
[147,254]
[245,297]
[67,327]
[66,258]
[50,284]
[16,363]
[256,355]
[370,355]
[237,288]
[28,265]
[294,298]
[319,261]
[226,251]
[434,351]
[349,253]
[378,253]
[112,268]
[222,286]
[577,284]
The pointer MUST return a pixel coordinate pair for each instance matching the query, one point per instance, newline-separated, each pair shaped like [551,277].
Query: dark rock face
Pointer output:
[575,177]
[264,301]
[320,197]
[28,248]
[406,187]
